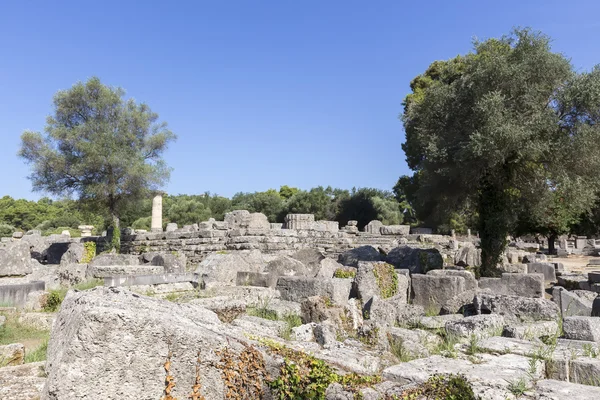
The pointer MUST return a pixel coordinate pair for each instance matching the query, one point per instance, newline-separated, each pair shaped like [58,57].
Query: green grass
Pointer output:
[292,321]
[13,331]
[398,350]
[518,387]
[446,348]
[473,345]
[39,354]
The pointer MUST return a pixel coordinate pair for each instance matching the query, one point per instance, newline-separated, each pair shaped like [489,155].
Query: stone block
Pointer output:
[437,292]
[17,295]
[373,278]
[304,333]
[438,321]
[252,278]
[72,255]
[299,221]
[351,258]
[421,231]
[546,269]
[325,334]
[107,271]
[374,227]
[516,308]
[468,256]
[582,328]
[398,230]
[416,260]
[12,354]
[260,326]
[585,371]
[298,288]
[594,277]
[531,330]
[15,259]
[481,326]
[570,303]
[311,258]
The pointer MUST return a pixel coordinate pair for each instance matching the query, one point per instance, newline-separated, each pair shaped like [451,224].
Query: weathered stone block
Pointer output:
[437,292]
[546,269]
[481,326]
[582,328]
[570,303]
[416,260]
[585,371]
[399,230]
[516,308]
[15,259]
[298,288]
[351,258]
[12,354]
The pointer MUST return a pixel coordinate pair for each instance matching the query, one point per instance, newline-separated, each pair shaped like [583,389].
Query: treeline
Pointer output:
[363,205]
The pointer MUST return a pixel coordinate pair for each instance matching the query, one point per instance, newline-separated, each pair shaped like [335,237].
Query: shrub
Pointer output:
[54,300]
[345,273]
[387,280]
[452,386]
[6,230]
[89,252]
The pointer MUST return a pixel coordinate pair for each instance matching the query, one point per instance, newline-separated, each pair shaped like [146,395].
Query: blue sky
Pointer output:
[260,93]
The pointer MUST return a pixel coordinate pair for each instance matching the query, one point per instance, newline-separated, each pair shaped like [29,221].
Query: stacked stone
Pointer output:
[299,221]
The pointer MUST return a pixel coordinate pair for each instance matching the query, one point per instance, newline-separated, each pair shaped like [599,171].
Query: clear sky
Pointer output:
[261,93]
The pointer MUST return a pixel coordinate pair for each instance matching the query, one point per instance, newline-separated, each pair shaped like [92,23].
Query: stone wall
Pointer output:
[197,245]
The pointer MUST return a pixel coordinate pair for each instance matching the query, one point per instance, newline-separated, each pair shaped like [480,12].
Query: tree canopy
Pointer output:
[103,148]
[509,130]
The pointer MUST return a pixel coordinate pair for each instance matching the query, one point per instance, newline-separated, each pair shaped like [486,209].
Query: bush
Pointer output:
[6,230]
[447,387]
[54,300]
[89,252]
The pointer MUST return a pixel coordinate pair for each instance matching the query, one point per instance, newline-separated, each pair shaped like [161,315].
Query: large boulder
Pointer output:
[287,266]
[311,258]
[582,328]
[516,308]
[222,268]
[379,278]
[100,334]
[416,260]
[15,259]
[440,292]
[73,254]
[351,258]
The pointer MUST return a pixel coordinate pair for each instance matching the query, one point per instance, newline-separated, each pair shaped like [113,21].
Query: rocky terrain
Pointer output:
[323,316]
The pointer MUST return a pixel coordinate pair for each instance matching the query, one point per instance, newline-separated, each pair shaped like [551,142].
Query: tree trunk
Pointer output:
[493,228]
[116,238]
[551,244]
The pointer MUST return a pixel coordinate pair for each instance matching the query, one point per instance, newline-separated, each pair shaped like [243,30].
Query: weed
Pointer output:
[172,297]
[590,351]
[398,349]
[386,278]
[13,331]
[345,273]
[452,386]
[39,354]
[292,321]
[518,387]
[446,347]
[473,345]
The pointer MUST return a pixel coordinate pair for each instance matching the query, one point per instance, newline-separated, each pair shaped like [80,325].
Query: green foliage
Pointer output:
[398,350]
[443,387]
[303,376]
[188,212]
[6,230]
[142,223]
[345,273]
[99,146]
[387,280]
[503,132]
[54,300]
[89,252]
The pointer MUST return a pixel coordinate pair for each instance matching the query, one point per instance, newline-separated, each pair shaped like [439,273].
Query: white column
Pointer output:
[156,225]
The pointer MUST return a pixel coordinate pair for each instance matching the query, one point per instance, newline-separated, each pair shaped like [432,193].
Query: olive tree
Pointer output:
[103,148]
[508,128]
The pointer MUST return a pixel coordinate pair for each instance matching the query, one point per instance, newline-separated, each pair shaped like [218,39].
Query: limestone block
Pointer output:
[73,254]
[374,227]
[15,259]
[304,333]
[481,326]
[437,292]
[260,326]
[171,227]
[416,260]
[546,269]
[585,370]
[516,308]
[570,303]
[582,328]
[468,256]
[401,230]
[299,221]
[351,258]
[297,288]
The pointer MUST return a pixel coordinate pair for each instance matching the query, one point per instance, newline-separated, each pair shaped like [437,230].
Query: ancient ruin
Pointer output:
[392,306]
